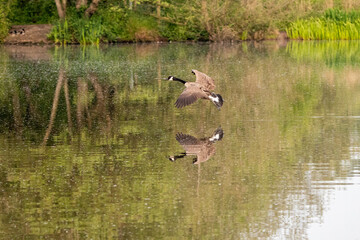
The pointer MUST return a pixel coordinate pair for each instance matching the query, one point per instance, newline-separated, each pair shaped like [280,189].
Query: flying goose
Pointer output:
[201,88]
[203,148]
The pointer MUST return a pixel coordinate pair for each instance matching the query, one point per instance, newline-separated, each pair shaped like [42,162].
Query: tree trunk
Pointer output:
[68,106]
[80,3]
[92,8]
[158,9]
[55,105]
[61,8]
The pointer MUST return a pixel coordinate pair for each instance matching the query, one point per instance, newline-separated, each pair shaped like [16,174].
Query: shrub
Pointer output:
[60,33]
[4,24]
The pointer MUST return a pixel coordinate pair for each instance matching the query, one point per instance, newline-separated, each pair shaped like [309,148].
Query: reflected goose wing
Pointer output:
[204,80]
[189,96]
[191,145]
[185,139]
[205,153]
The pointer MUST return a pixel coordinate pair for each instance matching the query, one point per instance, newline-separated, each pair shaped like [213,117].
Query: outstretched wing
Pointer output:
[204,80]
[186,139]
[189,96]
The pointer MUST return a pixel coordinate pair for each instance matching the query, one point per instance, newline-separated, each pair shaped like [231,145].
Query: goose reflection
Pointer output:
[202,148]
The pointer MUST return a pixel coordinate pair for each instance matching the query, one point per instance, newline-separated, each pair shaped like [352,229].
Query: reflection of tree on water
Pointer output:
[54,106]
[98,111]
[202,148]
[266,168]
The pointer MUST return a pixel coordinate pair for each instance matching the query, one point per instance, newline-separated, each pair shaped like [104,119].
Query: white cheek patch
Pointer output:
[214,99]
[171,79]
[215,137]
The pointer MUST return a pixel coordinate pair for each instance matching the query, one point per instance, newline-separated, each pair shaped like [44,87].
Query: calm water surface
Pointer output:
[87,135]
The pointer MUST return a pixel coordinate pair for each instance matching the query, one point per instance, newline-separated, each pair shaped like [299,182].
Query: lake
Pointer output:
[92,146]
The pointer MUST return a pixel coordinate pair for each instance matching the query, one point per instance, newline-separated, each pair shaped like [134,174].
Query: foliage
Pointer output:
[28,12]
[174,32]
[333,25]
[223,20]
[60,33]
[138,23]
[88,31]
[4,24]
[114,23]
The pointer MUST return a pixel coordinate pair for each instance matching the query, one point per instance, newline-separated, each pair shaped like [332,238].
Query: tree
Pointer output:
[80,3]
[61,8]
[92,8]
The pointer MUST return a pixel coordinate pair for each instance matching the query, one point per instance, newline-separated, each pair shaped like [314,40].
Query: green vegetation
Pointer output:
[30,12]
[95,21]
[4,24]
[333,25]
[333,53]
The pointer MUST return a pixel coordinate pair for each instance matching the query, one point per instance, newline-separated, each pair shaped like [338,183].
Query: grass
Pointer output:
[108,27]
[333,25]
[4,24]
[60,33]
[89,31]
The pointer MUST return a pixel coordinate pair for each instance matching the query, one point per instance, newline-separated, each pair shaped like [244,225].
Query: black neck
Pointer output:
[179,80]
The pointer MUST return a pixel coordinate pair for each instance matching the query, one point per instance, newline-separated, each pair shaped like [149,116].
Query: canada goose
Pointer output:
[202,148]
[201,88]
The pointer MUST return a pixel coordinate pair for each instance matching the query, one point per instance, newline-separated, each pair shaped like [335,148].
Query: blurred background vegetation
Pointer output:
[95,21]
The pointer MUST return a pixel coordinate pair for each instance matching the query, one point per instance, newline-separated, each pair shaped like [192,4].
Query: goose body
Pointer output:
[200,89]
[203,148]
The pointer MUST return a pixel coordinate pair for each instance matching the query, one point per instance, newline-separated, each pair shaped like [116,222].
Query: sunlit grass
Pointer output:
[81,31]
[333,25]
[88,32]
[60,33]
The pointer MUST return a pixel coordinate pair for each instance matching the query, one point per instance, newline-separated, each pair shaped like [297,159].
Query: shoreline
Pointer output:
[37,34]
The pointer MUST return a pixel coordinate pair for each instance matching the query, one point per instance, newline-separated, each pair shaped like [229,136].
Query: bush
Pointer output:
[114,23]
[4,24]
[174,32]
[34,11]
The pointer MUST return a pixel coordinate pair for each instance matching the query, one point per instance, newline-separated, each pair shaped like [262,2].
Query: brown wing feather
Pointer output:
[189,96]
[205,153]
[191,145]
[204,80]
[185,139]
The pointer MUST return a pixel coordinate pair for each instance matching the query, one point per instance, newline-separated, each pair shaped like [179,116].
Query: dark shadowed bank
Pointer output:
[112,21]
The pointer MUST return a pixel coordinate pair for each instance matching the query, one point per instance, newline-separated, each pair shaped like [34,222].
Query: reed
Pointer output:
[88,31]
[60,33]
[333,25]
